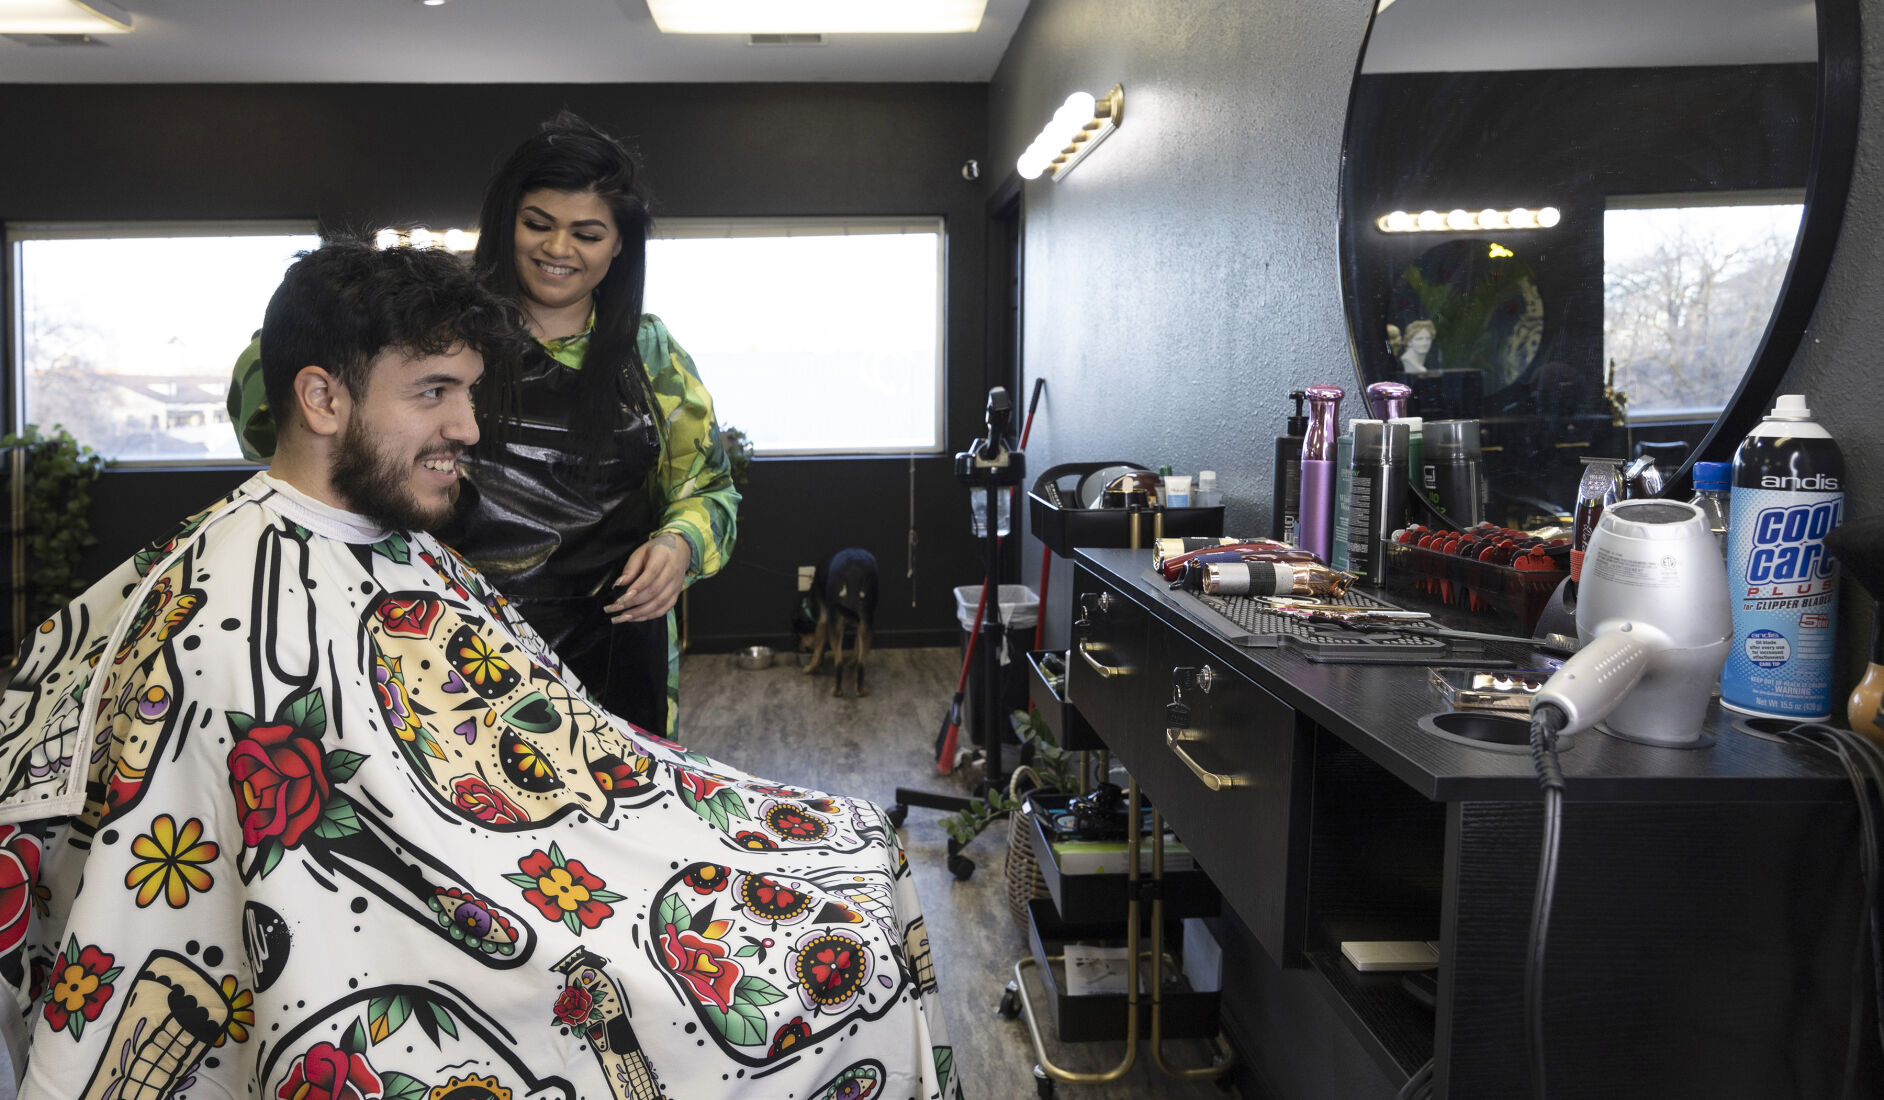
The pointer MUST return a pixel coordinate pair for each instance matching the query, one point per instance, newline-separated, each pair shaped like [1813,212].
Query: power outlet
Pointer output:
[805,573]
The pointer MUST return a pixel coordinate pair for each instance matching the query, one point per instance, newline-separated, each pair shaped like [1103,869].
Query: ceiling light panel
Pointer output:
[817,16]
[63,17]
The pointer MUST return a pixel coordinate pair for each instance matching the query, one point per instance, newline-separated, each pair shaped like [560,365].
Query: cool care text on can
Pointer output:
[1788,553]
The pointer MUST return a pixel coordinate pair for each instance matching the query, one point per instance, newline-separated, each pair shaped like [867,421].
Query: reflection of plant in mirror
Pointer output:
[1472,334]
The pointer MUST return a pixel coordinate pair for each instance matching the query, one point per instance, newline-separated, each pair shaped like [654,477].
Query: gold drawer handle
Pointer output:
[1213,780]
[1105,670]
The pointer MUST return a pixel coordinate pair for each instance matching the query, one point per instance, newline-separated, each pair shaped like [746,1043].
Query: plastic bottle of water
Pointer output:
[1713,482]
[1788,492]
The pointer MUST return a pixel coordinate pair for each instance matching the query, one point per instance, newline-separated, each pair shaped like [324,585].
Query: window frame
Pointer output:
[18,233]
[713,228]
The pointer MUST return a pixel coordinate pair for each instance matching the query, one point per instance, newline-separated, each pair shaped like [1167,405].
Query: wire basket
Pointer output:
[1024,880]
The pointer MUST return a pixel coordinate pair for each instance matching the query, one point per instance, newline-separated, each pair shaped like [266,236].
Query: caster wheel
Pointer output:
[1010,1007]
[1043,1085]
[897,814]
[961,867]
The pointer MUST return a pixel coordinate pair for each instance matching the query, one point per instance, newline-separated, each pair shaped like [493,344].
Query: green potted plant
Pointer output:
[55,516]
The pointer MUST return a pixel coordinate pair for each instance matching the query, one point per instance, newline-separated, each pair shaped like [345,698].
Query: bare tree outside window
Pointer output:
[1686,296]
[129,332]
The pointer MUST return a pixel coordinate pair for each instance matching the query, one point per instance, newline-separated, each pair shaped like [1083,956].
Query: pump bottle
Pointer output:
[1286,509]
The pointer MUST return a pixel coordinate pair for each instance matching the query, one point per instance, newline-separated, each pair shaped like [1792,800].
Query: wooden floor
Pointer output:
[784,725]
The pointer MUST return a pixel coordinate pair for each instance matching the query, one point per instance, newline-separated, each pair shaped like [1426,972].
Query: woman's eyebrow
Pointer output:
[548,217]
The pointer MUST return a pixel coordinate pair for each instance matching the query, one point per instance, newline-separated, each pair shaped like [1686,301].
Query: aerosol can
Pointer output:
[1788,494]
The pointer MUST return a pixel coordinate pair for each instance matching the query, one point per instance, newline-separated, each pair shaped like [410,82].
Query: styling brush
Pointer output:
[1859,548]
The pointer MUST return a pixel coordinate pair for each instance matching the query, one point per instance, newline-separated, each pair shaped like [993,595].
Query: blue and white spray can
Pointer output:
[1788,493]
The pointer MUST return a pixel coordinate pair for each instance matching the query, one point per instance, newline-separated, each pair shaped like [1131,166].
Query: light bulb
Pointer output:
[1522,218]
[386,238]
[1549,216]
[421,237]
[1491,219]
[1400,222]
[1430,220]
[1460,219]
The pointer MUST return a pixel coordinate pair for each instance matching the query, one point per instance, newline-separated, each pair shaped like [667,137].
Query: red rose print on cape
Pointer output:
[19,874]
[328,1073]
[283,781]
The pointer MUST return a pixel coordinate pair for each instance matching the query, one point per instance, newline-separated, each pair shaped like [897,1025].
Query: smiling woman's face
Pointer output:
[565,242]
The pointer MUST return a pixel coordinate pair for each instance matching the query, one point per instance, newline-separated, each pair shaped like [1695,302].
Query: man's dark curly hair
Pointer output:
[342,304]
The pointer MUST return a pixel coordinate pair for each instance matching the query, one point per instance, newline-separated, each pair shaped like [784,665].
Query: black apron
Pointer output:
[552,536]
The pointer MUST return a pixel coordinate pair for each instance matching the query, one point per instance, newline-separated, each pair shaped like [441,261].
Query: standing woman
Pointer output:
[605,489]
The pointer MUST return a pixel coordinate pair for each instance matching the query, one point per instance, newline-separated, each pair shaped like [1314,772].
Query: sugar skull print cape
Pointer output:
[296,808]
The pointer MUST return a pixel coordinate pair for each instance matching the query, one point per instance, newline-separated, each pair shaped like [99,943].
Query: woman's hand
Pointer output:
[651,580]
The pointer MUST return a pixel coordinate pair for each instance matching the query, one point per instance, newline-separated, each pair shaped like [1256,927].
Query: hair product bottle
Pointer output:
[1788,494]
[1318,469]
[1344,490]
[1452,477]
[1286,509]
[1376,497]
[1387,400]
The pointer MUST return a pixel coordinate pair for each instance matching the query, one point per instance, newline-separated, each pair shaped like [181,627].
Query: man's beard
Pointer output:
[378,485]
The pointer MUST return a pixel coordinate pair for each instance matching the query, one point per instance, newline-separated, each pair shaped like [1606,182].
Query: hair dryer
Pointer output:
[1654,623]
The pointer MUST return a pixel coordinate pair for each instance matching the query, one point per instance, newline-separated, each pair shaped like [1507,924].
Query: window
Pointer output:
[1689,283]
[127,333]
[814,335]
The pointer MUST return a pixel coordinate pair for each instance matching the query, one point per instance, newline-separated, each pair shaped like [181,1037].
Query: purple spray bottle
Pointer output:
[1318,469]
[1388,399]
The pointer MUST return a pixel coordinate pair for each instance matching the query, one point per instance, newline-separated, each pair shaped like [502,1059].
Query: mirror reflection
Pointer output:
[1572,219]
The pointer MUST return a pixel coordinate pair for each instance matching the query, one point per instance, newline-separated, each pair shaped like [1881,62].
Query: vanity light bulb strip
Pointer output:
[1465,221]
[1081,123]
[451,240]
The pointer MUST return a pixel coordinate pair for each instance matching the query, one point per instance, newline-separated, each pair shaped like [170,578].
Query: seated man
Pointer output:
[296,807]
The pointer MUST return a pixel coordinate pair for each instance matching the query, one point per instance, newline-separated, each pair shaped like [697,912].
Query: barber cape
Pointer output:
[296,807]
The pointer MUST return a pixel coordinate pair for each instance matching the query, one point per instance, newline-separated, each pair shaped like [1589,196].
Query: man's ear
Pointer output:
[321,400]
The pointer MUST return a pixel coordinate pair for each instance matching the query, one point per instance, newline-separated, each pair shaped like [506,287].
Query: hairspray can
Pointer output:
[1376,497]
[1788,494]
[1318,469]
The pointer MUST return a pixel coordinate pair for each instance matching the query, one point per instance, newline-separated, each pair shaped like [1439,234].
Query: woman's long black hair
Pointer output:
[568,154]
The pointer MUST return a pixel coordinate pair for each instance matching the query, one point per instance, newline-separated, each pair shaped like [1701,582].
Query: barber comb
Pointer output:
[1859,548]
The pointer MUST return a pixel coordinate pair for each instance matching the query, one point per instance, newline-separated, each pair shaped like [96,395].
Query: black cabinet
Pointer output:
[1708,901]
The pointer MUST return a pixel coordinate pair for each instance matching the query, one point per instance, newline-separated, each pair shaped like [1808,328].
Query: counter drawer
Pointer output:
[1109,662]
[1234,782]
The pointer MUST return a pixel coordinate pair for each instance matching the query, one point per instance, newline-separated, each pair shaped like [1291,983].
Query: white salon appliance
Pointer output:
[1654,626]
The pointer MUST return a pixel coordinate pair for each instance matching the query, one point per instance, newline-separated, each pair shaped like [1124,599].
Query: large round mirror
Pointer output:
[1596,226]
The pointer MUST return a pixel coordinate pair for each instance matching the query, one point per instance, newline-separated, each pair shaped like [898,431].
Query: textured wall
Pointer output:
[1183,278]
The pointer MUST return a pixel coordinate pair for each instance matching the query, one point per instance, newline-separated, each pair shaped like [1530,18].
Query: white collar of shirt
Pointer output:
[322,519]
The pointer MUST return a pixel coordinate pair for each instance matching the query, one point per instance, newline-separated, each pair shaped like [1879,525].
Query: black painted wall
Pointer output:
[358,156]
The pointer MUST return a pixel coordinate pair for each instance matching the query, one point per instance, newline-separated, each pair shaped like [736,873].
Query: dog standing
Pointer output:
[843,595]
